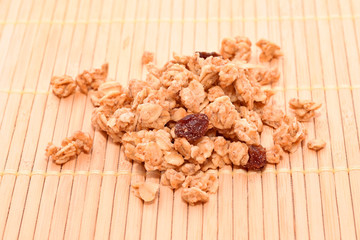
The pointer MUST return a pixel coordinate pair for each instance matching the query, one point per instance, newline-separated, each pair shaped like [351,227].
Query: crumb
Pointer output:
[146,190]
[316,144]
[147,57]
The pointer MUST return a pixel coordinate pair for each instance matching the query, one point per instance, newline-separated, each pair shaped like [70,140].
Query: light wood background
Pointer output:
[307,196]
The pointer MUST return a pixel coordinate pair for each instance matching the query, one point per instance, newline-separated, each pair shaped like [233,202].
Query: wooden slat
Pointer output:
[7,70]
[225,193]
[185,41]
[327,184]
[314,211]
[353,61]
[210,209]
[40,162]
[80,58]
[267,30]
[24,104]
[166,195]
[343,194]
[48,198]
[119,207]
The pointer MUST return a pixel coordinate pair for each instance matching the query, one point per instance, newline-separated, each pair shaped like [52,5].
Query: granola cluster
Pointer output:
[63,86]
[196,114]
[70,147]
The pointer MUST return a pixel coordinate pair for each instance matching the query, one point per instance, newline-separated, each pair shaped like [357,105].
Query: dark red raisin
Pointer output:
[192,127]
[257,157]
[208,54]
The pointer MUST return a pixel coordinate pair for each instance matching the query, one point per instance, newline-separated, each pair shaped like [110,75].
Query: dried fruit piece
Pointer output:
[192,127]
[316,144]
[257,157]
[208,54]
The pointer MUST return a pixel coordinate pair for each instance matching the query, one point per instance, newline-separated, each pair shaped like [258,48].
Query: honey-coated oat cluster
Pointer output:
[195,114]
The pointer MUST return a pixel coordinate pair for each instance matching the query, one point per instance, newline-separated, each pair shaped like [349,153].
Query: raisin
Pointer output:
[208,54]
[257,157]
[192,127]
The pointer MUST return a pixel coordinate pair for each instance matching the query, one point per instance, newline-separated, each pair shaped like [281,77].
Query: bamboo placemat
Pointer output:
[308,195]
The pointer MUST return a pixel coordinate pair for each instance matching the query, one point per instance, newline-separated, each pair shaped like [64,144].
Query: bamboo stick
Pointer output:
[268,30]
[313,199]
[24,104]
[352,149]
[165,209]
[285,200]
[81,57]
[48,198]
[327,184]
[210,209]
[225,193]
[237,11]
[192,40]
[121,194]
[346,218]
[101,153]
[147,221]
[6,35]
[103,223]
[7,120]
[79,118]
[295,70]
[34,193]
[183,42]
[135,207]
[121,200]
[240,201]
[256,230]
[93,54]
[4,12]
[150,210]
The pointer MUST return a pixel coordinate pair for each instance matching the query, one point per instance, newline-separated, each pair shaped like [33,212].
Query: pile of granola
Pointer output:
[197,113]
